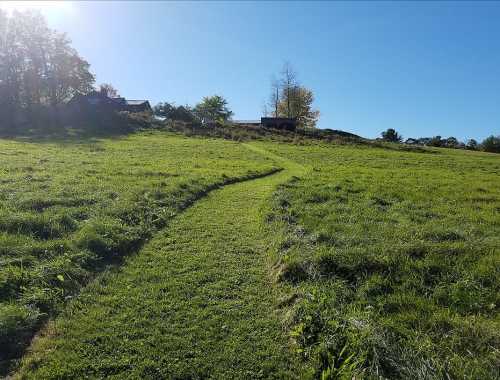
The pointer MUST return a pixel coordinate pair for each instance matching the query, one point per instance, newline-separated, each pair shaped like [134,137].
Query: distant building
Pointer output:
[289,124]
[411,141]
[253,123]
[101,100]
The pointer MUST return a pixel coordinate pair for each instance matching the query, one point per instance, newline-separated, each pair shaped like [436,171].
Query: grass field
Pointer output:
[394,261]
[197,302]
[307,260]
[69,209]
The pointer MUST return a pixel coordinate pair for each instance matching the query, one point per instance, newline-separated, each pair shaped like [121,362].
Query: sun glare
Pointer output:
[40,5]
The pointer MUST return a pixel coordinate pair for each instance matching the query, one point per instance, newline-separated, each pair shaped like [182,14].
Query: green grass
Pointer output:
[197,302]
[69,209]
[394,261]
[351,261]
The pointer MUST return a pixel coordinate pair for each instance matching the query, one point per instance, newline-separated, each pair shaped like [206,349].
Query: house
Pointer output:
[98,99]
[289,124]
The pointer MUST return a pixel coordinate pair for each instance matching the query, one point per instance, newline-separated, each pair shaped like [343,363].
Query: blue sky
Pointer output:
[425,68]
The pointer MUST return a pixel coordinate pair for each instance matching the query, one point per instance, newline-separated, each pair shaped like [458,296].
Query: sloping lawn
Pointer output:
[196,302]
[393,260]
[69,209]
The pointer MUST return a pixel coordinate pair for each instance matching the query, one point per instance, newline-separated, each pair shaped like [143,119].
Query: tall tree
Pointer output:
[274,96]
[298,103]
[391,135]
[290,99]
[288,86]
[38,66]
[213,109]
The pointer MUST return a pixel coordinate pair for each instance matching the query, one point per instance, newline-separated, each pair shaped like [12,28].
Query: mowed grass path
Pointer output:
[196,302]
[71,208]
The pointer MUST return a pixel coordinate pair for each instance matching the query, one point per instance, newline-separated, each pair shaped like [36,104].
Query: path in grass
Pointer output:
[196,302]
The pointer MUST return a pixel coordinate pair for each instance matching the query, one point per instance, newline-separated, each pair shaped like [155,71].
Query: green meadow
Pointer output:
[159,255]
[392,261]
[71,209]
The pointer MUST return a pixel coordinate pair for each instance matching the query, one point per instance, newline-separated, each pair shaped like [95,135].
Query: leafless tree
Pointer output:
[288,85]
[274,96]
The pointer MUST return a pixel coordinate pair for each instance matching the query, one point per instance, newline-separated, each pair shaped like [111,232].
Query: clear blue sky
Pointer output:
[422,68]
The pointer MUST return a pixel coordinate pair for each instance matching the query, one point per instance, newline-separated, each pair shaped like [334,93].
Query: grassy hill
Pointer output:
[70,209]
[393,261]
[344,259]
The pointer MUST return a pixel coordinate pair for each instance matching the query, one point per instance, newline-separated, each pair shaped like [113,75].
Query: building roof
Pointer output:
[246,121]
[135,102]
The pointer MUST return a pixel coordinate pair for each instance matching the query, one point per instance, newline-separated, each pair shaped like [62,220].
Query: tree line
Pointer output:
[489,144]
[211,109]
[40,71]
[288,99]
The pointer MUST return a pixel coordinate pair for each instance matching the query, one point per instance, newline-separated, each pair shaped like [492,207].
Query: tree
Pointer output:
[38,67]
[491,144]
[471,144]
[171,112]
[290,99]
[109,90]
[288,86]
[213,109]
[435,141]
[299,104]
[164,110]
[391,135]
[451,142]
[274,97]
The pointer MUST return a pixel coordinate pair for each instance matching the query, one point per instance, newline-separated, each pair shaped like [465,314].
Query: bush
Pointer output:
[491,144]
[391,135]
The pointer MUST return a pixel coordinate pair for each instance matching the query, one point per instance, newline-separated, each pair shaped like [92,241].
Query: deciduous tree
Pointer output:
[391,135]
[213,109]
[298,103]
[491,144]
[38,66]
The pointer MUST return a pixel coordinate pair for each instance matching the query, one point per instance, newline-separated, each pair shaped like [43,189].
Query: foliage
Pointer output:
[170,111]
[472,144]
[213,109]
[300,100]
[108,90]
[393,260]
[491,144]
[451,142]
[435,141]
[71,208]
[247,133]
[290,99]
[391,135]
[38,67]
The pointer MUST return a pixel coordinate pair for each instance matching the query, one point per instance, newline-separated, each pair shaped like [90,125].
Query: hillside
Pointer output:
[164,256]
